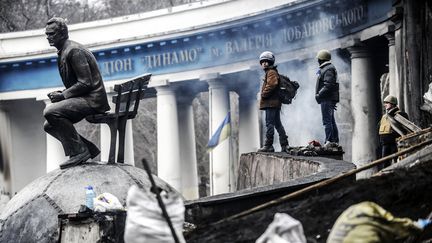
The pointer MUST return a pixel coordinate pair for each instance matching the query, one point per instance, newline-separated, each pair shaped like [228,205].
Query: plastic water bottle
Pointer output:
[90,195]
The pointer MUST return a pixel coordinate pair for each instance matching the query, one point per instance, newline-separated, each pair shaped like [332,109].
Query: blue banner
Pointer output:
[283,30]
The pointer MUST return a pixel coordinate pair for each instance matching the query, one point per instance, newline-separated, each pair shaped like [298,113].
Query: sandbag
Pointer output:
[370,223]
[107,202]
[283,229]
[144,221]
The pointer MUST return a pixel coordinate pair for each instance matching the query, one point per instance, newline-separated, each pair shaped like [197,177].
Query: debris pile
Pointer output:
[314,148]
[405,193]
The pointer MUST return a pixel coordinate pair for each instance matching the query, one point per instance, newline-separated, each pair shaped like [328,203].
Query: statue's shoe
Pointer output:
[93,149]
[76,159]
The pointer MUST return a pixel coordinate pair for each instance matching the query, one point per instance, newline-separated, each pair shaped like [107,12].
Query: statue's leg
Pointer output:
[52,131]
[61,116]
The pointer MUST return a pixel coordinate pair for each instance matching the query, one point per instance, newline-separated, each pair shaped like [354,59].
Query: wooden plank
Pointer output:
[143,79]
[406,123]
[147,93]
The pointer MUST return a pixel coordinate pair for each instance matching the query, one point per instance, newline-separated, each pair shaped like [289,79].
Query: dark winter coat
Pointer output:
[327,87]
[270,89]
[81,77]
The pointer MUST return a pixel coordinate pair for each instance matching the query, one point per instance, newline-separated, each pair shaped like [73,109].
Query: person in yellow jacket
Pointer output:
[367,222]
[387,135]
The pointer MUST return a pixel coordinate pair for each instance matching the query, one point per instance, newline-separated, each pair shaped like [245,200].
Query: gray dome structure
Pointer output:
[32,214]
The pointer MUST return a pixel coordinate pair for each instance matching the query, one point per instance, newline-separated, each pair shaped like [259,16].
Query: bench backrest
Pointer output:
[129,94]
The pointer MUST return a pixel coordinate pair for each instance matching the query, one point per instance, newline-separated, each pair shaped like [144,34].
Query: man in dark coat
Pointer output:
[271,103]
[84,94]
[327,95]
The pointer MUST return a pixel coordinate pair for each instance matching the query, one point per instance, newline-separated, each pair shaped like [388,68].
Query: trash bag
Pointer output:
[145,222]
[107,202]
[283,229]
[372,224]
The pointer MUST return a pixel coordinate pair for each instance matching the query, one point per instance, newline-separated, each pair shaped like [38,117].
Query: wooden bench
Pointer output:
[126,100]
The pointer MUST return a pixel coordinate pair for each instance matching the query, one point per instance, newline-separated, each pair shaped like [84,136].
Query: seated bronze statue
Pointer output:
[84,94]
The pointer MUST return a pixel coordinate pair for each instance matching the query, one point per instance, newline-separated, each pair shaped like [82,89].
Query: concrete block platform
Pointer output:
[263,177]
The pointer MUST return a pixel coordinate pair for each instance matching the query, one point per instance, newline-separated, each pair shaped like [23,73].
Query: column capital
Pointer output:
[209,76]
[159,83]
[359,51]
[213,80]
[164,90]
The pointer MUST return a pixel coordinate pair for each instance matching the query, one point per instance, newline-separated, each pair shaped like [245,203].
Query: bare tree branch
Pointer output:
[48,9]
[24,14]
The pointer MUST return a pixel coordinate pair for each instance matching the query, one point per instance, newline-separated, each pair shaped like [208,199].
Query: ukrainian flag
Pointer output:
[222,133]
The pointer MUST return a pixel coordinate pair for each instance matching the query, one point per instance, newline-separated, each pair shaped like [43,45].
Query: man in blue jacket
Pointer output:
[84,94]
[327,95]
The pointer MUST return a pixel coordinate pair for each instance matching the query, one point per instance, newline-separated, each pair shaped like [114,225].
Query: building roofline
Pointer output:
[149,26]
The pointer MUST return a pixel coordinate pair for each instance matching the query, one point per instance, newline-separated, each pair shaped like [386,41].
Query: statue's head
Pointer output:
[56,31]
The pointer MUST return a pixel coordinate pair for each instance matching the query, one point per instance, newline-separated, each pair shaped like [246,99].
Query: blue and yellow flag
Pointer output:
[222,133]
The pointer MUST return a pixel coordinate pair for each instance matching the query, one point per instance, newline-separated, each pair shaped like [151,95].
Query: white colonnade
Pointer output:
[221,180]
[188,158]
[363,103]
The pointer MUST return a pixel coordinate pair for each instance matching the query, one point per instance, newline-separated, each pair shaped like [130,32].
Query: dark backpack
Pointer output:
[287,89]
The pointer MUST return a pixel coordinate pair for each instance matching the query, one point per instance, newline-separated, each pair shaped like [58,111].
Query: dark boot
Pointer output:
[285,148]
[93,149]
[266,149]
[283,140]
[76,159]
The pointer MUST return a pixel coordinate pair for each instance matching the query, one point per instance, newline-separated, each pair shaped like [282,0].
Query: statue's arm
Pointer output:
[81,68]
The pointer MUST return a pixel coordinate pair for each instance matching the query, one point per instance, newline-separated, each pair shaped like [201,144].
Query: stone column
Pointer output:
[188,158]
[364,108]
[220,166]
[54,150]
[106,138]
[168,143]
[249,137]
[5,154]
[394,88]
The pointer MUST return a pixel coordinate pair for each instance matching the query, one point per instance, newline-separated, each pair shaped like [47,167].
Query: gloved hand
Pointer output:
[317,98]
[56,96]
[422,223]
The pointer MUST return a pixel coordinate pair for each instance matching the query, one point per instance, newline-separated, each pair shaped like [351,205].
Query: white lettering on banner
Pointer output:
[116,66]
[215,51]
[324,25]
[171,58]
[243,44]
[255,42]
